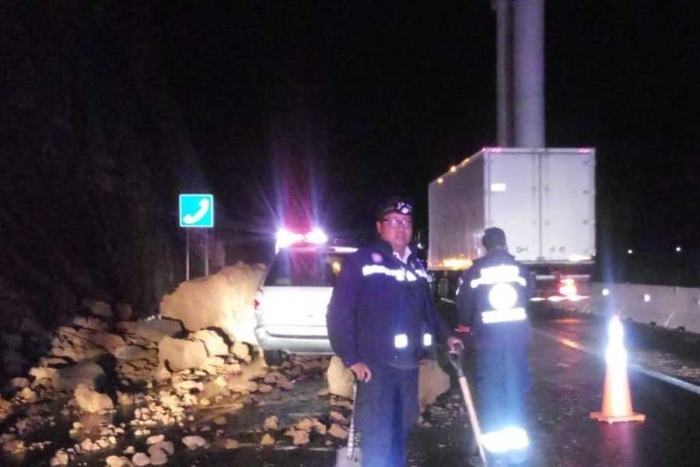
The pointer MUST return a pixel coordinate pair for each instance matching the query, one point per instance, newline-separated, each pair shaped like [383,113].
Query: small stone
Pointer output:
[286,385]
[243,386]
[141,459]
[305,424]
[87,445]
[267,440]
[194,442]
[116,461]
[155,439]
[28,395]
[98,308]
[273,377]
[320,428]
[221,382]
[158,457]
[59,459]
[220,420]
[338,431]
[301,437]
[19,383]
[230,444]
[271,423]
[233,368]
[189,385]
[338,417]
[165,446]
[124,311]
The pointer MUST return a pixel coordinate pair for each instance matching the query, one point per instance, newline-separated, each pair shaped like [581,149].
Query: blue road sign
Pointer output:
[196,211]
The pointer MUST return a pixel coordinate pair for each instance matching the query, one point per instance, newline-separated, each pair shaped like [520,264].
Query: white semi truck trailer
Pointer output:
[544,199]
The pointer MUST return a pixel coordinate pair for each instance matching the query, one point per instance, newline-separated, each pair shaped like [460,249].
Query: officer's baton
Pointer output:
[351,434]
[457,360]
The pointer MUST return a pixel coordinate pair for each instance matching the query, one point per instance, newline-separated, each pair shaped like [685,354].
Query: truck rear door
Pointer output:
[511,186]
[568,204]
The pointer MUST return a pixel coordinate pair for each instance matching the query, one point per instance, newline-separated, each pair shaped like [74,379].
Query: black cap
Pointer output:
[493,237]
[394,204]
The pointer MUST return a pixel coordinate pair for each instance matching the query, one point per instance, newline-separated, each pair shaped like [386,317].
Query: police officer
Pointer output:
[381,322]
[492,301]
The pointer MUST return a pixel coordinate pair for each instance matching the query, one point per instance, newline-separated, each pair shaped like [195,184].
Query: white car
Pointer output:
[291,305]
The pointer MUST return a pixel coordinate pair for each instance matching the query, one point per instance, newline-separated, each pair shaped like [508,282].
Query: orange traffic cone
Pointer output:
[617,403]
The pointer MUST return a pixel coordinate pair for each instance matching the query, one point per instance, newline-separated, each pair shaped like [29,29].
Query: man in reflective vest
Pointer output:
[492,302]
[381,322]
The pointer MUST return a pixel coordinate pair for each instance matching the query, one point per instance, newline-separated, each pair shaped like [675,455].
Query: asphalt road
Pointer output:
[568,373]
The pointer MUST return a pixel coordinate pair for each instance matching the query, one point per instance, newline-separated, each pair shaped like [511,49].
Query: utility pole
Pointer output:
[520,72]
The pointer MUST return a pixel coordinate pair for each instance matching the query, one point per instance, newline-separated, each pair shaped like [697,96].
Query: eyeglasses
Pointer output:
[396,223]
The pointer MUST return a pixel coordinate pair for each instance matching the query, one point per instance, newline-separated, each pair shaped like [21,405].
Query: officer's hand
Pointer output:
[454,344]
[362,372]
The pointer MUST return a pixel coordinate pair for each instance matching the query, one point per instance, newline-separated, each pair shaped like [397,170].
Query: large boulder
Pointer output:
[92,401]
[432,382]
[124,311]
[133,352]
[153,330]
[182,354]
[340,378]
[91,323]
[223,300]
[213,342]
[109,342]
[98,308]
[5,409]
[77,342]
[69,377]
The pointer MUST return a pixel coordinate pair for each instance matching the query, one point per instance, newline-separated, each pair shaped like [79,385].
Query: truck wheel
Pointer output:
[273,357]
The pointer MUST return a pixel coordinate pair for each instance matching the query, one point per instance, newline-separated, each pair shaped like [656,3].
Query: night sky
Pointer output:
[329,107]
[372,98]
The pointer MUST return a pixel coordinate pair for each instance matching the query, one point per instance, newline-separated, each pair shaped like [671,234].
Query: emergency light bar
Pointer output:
[286,238]
[316,236]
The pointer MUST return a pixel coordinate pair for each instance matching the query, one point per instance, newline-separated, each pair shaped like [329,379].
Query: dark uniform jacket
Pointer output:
[377,298]
[495,325]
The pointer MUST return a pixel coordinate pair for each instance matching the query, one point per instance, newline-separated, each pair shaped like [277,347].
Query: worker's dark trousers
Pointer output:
[502,381]
[387,407]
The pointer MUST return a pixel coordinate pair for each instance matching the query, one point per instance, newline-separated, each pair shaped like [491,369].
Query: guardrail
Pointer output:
[670,307]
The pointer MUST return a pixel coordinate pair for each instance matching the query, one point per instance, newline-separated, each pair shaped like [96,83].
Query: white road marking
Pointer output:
[652,373]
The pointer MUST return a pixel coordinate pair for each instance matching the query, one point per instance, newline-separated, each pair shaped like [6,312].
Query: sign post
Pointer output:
[196,211]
